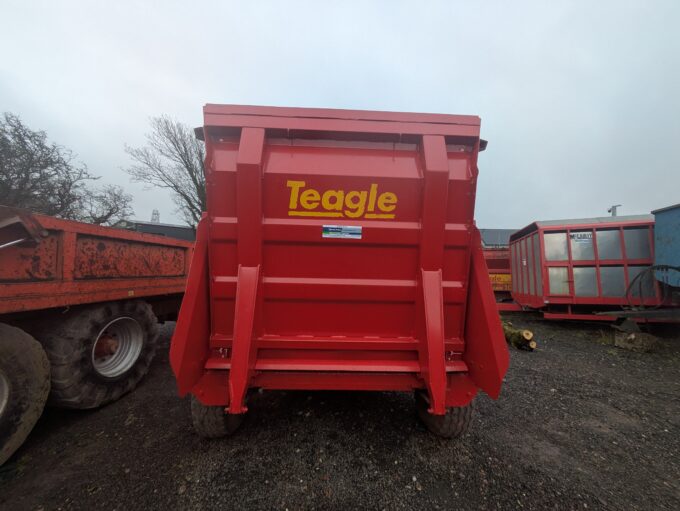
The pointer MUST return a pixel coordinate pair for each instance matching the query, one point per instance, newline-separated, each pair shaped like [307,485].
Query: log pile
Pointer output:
[521,339]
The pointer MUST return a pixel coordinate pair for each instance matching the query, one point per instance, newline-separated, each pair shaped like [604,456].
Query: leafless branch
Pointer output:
[172,159]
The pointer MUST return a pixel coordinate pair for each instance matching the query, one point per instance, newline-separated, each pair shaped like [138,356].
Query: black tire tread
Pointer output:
[23,357]
[453,424]
[68,344]
[212,421]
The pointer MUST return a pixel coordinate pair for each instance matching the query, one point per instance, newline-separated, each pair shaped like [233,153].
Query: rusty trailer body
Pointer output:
[338,252]
[79,312]
[63,263]
[571,269]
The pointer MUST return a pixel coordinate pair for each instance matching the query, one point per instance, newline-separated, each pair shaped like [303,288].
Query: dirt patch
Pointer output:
[579,425]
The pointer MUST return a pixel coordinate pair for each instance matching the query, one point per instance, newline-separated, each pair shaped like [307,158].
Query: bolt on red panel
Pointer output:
[338,251]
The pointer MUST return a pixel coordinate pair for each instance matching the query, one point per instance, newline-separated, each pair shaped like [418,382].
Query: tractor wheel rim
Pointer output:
[114,359]
[4,392]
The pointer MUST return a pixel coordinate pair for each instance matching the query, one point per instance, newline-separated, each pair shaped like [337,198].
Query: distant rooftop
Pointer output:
[667,208]
[146,222]
[183,232]
[496,238]
[567,222]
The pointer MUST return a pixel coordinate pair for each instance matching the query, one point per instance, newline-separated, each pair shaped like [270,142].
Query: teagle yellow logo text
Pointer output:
[367,204]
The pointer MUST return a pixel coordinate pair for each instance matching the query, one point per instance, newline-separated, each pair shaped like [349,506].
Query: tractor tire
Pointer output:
[452,425]
[99,353]
[24,386]
[213,421]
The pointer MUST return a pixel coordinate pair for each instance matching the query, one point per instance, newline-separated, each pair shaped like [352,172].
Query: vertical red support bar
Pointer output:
[431,303]
[537,264]
[436,174]
[624,259]
[570,268]
[522,257]
[596,255]
[249,196]
[68,254]
[244,350]
[544,268]
[249,249]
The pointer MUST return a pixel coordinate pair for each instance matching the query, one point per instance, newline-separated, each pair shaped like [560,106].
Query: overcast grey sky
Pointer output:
[580,101]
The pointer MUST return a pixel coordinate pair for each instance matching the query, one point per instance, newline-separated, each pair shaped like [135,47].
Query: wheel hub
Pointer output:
[117,347]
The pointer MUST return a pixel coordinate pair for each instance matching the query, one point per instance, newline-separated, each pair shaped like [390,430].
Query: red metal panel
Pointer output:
[364,124]
[102,258]
[31,264]
[46,295]
[332,113]
[487,356]
[188,353]
[74,263]
[338,251]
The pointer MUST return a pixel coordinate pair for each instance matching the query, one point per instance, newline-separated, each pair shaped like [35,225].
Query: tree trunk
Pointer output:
[519,338]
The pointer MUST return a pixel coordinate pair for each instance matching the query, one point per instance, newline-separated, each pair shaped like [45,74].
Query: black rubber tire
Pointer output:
[455,423]
[212,421]
[69,343]
[27,373]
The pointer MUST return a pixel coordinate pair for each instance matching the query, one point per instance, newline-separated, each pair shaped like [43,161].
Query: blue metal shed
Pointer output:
[667,243]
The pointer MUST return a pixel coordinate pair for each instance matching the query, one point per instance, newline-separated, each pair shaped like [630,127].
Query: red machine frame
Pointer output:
[570,306]
[253,265]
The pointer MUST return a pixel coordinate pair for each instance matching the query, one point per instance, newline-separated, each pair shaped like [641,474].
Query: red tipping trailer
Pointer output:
[338,251]
[79,306]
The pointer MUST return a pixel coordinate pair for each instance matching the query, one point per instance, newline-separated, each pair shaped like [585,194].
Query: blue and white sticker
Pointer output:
[582,237]
[348,232]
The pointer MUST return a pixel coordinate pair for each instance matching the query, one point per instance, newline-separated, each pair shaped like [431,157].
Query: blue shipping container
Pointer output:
[667,243]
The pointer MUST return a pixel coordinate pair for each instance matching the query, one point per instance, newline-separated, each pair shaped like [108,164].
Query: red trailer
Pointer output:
[500,275]
[496,245]
[571,269]
[498,263]
[79,306]
[338,252]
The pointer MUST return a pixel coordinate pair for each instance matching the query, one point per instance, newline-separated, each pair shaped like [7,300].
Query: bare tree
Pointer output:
[36,174]
[172,159]
[44,177]
[107,205]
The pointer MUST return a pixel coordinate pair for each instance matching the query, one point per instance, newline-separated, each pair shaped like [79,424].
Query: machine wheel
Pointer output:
[99,353]
[24,386]
[452,425]
[212,421]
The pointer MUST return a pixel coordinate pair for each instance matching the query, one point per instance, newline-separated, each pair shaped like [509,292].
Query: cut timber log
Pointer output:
[519,338]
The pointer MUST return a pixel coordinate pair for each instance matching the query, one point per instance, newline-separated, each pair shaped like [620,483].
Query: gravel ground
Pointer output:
[579,425]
